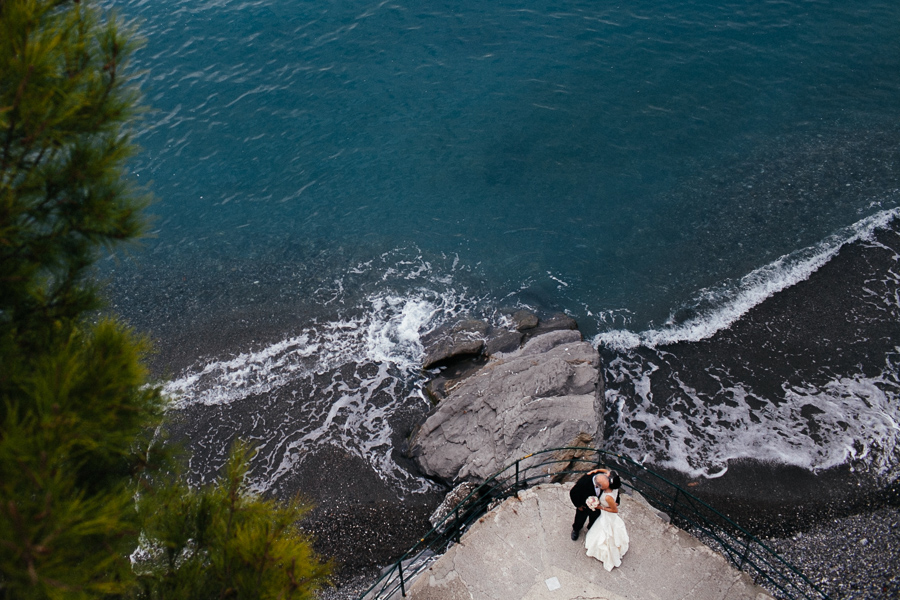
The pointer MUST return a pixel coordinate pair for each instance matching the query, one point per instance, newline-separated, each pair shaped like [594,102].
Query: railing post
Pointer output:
[675,501]
[517,475]
[746,552]
[402,584]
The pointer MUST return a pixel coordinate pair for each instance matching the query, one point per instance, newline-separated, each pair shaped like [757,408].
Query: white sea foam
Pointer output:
[851,418]
[730,302]
[346,378]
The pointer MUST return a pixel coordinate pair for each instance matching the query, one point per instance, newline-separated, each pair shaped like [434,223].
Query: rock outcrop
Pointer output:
[545,394]
[463,340]
[451,500]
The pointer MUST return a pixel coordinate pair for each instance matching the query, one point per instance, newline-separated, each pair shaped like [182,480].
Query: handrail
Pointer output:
[740,547]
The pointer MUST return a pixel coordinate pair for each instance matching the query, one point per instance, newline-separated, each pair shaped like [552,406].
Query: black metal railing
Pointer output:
[740,547]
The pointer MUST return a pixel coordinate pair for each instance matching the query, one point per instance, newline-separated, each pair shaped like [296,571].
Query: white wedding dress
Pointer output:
[607,539]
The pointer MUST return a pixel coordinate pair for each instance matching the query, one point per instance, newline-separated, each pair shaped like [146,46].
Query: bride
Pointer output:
[607,539]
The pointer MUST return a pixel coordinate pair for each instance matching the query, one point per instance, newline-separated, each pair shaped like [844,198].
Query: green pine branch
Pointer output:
[225,541]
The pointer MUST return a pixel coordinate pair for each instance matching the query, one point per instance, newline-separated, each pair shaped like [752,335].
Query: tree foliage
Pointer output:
[74,413]
[64,107]
[76,409]
[73,399]
[225,542]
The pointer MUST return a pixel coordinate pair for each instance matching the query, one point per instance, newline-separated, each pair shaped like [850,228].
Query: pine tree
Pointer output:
[76,410]
[73,400]
[65,104]
[73,415]
[225,541]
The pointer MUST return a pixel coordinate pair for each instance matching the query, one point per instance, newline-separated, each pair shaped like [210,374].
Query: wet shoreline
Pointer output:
[366,524]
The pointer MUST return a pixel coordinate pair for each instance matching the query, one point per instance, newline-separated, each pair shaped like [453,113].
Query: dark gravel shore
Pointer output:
[849,558]
[359,520]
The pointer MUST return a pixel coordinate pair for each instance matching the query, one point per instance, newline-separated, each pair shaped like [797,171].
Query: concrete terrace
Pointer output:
[522,550]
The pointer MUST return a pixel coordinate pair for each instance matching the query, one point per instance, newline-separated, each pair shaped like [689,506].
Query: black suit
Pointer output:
[580,492]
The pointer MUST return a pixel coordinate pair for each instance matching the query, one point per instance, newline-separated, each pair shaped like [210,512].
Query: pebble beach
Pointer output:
[849,558]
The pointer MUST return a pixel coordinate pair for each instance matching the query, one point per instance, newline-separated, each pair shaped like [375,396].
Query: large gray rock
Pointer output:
[546,342]
[542,396]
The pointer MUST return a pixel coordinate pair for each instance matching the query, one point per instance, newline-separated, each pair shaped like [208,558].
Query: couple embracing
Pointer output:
[596,500]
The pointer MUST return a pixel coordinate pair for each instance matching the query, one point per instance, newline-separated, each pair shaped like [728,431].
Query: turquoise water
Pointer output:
[628,163]
[612,147]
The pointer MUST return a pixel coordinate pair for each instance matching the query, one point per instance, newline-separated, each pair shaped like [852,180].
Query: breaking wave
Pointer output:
[717,308]
[339,381]
[811,380]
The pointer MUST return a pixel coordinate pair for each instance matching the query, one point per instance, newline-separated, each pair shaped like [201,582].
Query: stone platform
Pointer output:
[522,550]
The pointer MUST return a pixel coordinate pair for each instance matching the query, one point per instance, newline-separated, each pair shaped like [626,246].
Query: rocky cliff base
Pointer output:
[502,394]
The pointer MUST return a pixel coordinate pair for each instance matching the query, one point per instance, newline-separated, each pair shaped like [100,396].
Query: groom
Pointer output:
[589,485]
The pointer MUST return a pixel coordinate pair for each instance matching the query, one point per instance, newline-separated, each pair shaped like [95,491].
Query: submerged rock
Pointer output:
[524,319]
[544,395]
[463,340]
[503,341]
[554,323]
[471,339]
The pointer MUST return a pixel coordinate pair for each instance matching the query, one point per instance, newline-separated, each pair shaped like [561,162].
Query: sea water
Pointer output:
[336,178]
